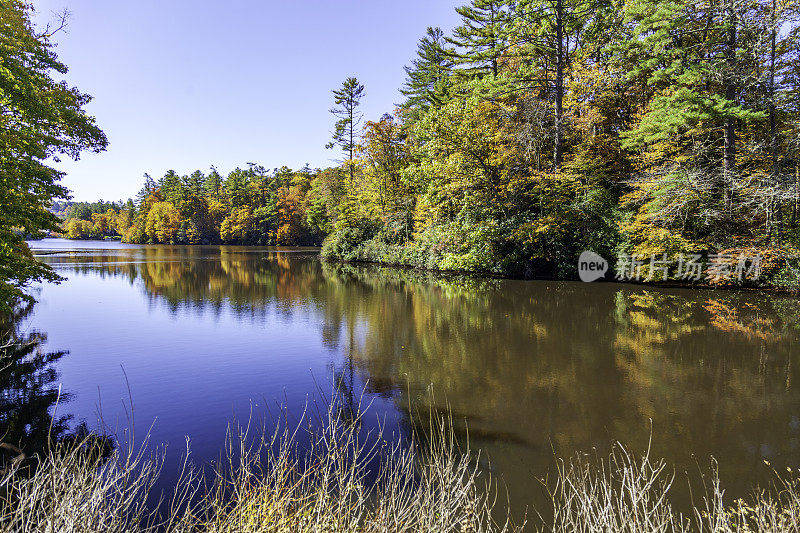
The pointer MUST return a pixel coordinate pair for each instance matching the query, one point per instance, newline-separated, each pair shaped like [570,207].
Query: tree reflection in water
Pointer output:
[28,387]
[31,401]
[534,368]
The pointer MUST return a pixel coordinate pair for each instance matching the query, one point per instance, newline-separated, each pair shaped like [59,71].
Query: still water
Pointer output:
[535,369]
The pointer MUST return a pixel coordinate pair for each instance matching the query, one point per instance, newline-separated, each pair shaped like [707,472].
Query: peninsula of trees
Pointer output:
[534,130]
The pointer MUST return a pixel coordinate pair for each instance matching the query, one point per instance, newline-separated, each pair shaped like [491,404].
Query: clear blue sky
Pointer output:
[180,84]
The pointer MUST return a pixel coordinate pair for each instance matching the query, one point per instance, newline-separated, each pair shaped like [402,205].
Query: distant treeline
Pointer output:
[248,206]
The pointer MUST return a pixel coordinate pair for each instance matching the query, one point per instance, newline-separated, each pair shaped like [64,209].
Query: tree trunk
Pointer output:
[350,146]
[796,194]
[559,137]
[773,130]
[772,127]
[495,44]
[730,95]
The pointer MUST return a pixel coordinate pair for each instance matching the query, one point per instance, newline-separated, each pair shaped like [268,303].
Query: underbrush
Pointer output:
[446,248]
[483,249]
[331,483]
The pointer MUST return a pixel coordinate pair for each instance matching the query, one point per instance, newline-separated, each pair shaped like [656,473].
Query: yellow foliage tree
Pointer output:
[163,223]
[237,227]
[78,229]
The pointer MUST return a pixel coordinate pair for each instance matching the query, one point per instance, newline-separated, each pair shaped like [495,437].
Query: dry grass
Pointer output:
[74,489]
[626,493]
[329,484]
[279,486]
[621,493]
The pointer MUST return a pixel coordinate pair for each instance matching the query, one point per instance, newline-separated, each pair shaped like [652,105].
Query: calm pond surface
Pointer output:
[536,369]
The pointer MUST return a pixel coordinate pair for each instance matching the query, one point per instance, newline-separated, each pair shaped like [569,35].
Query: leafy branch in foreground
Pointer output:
[42,119]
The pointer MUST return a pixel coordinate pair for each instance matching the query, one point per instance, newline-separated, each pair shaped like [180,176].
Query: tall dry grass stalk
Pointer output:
[620,493]
[311,477]
[329,483]
[627,493]
[330,477]
[73,488]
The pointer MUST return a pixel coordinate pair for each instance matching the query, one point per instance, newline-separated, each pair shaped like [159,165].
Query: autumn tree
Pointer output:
[290,217]
[462,155]
[78,229]
[548,37]
[125,218]
[238,226]
[388,191]
[163,223]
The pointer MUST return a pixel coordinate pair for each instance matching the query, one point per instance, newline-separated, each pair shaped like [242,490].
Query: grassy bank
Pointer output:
[329,484]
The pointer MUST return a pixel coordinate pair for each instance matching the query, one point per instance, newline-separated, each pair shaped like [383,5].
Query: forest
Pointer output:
[535,130]
[250,207]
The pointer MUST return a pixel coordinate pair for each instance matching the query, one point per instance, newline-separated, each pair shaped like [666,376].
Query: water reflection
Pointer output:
[535,367]
[532,368]
[203,278]
[28,387]
[32,402]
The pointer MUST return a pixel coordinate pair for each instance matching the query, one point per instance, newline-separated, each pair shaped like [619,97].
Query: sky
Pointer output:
[183,85]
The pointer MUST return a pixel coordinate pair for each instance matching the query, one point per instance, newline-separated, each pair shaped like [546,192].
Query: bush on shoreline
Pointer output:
[483,251]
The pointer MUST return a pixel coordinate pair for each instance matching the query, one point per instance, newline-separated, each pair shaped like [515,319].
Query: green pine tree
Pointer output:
[481,39]
[348,98]
[428,76]
[213,184]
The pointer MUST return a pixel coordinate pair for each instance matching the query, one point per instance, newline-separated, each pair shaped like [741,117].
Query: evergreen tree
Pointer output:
[213,184]
[348,98]
[236,187]
[149,187]
[482,37]
[172,187]
[429,73]
[708,127]
[194,183]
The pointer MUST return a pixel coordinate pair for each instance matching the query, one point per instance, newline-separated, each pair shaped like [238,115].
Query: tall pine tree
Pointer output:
[348,98]
[481,39]
[428,76]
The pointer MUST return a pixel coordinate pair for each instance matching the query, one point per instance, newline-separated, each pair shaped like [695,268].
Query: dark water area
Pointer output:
[534,369]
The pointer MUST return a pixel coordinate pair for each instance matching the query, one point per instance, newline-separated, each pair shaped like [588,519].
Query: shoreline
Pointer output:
[641,284]
[451,273]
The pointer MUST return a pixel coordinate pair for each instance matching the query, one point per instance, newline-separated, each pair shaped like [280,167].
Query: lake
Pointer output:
[533,370]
